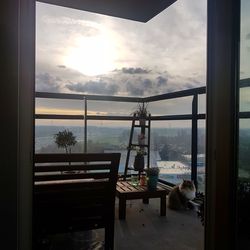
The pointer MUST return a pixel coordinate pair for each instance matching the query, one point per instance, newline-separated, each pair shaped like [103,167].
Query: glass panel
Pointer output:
[244,95]
[59,106]
[109,137]
[244,130]
[110,108]
[201,161]
[177,106]
[202,104]
[171,149]
[45,136]
[244,183]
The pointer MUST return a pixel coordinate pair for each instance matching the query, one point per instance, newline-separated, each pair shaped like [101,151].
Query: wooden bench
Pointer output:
[75,192]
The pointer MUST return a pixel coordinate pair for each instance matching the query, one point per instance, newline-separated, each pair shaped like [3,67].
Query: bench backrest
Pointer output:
[74,192]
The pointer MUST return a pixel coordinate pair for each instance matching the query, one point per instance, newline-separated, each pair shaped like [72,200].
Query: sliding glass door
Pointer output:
[243,219]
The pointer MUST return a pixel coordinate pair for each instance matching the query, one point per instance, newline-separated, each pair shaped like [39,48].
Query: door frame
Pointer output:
[222,75]
[222,123]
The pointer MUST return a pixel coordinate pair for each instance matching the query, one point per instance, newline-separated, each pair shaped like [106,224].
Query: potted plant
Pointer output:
[139,159]
[65,139]
[142,112]
[152,174]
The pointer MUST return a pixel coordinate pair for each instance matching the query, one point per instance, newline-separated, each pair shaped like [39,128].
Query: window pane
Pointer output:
[109,137]
[171,149]
[45,136]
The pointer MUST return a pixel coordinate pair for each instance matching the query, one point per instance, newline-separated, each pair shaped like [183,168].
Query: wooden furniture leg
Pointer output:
[163,205]
[109,236]
[122,208]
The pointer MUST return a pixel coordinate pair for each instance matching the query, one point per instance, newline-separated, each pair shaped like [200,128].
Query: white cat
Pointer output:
[181,194]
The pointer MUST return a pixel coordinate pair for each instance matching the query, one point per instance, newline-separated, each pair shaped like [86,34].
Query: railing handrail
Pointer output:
[171,95]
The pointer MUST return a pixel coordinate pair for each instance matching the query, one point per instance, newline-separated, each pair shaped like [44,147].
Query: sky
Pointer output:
[86,53]
[83,52]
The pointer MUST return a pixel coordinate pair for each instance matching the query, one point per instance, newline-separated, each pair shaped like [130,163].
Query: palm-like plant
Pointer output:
[65,139]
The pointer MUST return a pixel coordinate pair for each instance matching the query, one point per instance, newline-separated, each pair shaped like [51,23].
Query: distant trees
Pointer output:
[164,153]
[170,153]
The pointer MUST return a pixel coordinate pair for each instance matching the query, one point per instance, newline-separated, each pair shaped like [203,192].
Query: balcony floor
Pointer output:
[143,229]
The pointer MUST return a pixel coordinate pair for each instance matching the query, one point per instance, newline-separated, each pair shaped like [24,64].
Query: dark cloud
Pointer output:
[147,83]
[161,81]
[193,80]
[139,86]
[94,87]
[248,36]
[135,71]
[190,85]
[47,83]
[134,90]
[61,66]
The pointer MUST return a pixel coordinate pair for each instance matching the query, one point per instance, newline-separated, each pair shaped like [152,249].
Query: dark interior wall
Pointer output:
[17,94]
[9,122]
[222,74]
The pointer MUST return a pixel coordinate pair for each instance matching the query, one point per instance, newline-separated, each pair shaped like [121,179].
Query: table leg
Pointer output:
[122,208]
[145,201]
[163,205]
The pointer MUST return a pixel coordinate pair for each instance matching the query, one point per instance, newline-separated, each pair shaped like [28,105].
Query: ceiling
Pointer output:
[137,10]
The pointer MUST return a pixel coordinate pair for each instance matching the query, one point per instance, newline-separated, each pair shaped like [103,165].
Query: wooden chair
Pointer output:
[75,192]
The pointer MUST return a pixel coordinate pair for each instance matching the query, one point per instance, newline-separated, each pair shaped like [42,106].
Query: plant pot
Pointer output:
[152,182]
[141,141]
[139,163]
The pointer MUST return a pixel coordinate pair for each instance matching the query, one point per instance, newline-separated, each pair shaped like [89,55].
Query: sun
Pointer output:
[92,55]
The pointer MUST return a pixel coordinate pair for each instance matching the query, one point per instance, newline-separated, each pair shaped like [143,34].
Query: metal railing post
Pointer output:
[85,124]
[194,140]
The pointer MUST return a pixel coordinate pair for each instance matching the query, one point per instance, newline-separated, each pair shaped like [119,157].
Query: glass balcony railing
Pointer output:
[103,123]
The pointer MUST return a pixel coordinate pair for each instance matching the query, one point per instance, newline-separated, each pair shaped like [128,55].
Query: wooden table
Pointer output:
[126,191]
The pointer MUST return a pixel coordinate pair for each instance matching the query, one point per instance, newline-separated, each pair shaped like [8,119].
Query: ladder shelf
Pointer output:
[141,146]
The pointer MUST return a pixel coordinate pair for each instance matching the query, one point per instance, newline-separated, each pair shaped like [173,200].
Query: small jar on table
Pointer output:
[143,180]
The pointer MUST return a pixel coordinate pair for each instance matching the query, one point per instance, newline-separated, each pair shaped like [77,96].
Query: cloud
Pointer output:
[141,87]
[47,83]
[61,66]
[190,85]
[248,36]
[94,87]
[86,28]
[134,90]
[147,83]
[134,71]
[161,81]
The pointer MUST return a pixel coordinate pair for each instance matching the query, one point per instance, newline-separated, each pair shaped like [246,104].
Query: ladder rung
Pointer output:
[139,145]
[139,126]
[129,168]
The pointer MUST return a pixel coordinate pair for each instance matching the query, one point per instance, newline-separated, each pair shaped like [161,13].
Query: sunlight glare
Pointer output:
[92,55]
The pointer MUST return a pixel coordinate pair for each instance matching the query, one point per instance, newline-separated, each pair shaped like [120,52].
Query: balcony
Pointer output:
[178,230]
